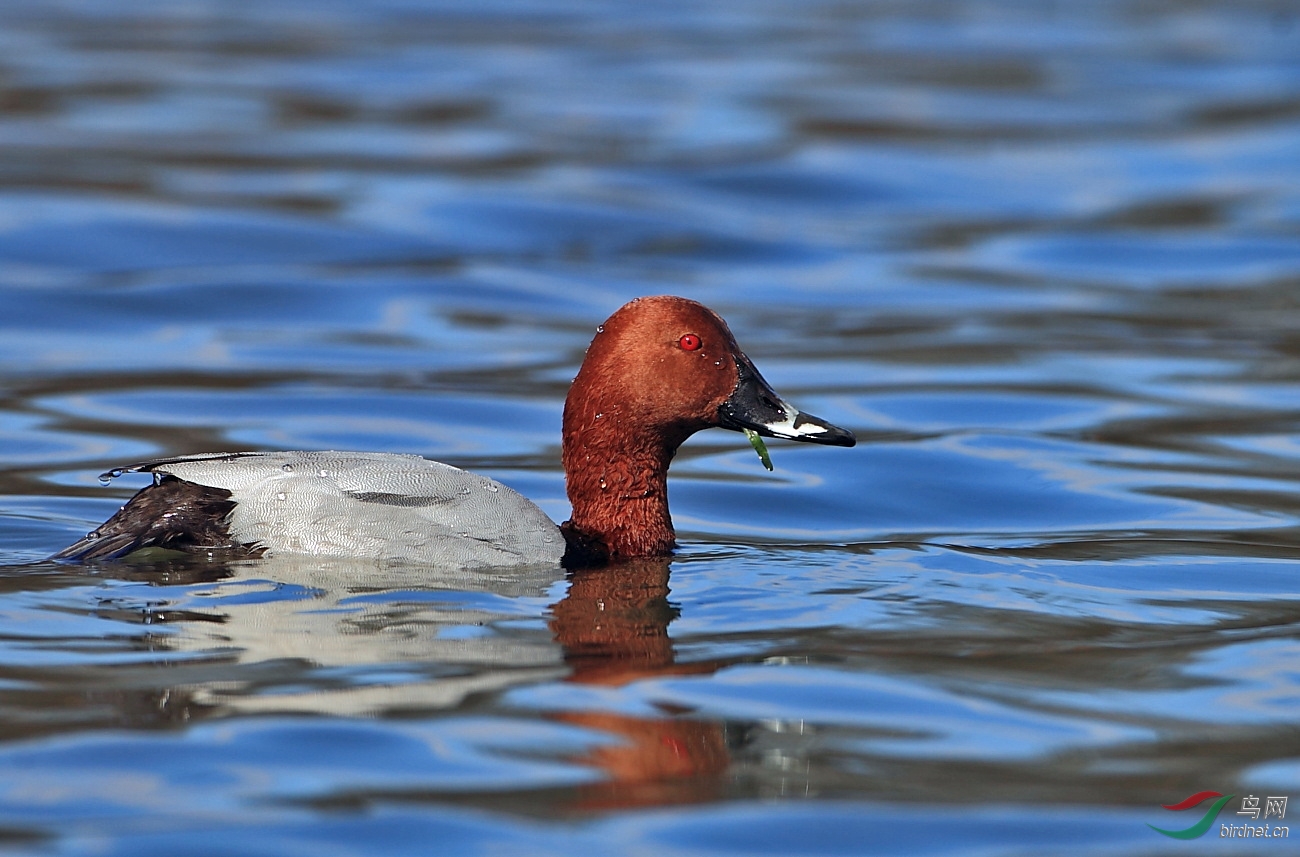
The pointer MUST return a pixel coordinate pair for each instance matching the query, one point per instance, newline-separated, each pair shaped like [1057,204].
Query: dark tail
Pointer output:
[96,546]
[168,514]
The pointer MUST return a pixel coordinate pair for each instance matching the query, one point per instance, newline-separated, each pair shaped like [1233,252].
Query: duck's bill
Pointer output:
[754,405]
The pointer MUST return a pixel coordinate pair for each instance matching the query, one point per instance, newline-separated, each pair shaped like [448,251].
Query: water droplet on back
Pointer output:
[600,328]
[323,474]
[491,486]
[282,496]
[287,468]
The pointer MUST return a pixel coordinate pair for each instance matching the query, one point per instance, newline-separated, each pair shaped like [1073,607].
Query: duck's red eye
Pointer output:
[689,342]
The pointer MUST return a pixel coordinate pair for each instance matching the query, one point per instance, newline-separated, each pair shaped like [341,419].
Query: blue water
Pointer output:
[1044,259]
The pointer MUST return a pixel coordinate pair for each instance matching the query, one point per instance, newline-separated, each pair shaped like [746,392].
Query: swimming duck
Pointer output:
[658,370]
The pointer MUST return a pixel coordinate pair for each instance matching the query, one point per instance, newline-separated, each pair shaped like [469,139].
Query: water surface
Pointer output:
[1043,258]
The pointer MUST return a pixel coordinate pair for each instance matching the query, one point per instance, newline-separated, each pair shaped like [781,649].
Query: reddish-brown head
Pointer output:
[660,367]
[659,370]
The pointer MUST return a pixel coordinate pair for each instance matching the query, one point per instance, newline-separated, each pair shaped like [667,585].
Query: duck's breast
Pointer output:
[391,507]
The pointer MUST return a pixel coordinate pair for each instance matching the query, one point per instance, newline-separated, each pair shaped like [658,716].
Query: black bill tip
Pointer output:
[754,405]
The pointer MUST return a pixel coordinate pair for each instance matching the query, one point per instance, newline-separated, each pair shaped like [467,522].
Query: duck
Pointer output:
[657,371]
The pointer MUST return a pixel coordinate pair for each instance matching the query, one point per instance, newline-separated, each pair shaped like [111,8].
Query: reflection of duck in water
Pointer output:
[659,370]
[338,637]
[613,627]
[613,623]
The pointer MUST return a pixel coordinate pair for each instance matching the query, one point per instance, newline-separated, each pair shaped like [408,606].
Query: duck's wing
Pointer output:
[382,506]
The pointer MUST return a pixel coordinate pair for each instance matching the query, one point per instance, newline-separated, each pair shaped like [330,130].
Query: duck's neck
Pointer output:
[617,480]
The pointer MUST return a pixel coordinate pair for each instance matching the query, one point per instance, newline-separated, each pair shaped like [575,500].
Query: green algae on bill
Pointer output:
[756,441]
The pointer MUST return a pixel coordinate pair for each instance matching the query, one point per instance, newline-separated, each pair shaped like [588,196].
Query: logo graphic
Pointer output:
[1199,828]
